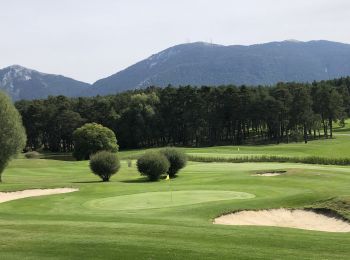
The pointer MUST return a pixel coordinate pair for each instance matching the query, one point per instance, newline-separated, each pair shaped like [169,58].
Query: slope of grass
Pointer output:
[336,148]
[330,148]
[66,226]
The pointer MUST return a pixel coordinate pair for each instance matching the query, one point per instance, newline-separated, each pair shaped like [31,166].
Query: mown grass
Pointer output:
[130,218]
[67,226]
[335,148]
[324,151]
[334,151]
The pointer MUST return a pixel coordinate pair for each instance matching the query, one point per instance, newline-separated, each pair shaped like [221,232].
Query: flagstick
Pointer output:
[171,191]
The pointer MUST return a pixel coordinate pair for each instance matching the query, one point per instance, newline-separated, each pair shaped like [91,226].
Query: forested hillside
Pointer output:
[191,116]
[203,63]
[196,64]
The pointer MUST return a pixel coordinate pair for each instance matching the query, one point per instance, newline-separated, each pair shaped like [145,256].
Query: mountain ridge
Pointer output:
[203,63]
[23,83]
[198,63]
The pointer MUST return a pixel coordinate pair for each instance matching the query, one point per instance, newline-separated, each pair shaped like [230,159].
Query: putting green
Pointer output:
[151,200]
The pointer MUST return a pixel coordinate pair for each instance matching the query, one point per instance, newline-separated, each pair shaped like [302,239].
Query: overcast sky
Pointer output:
[91,39]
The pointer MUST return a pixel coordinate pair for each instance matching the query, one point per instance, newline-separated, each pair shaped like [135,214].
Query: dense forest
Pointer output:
[193,116]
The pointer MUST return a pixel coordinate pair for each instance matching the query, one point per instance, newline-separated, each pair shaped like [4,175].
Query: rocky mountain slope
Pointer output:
[22,83]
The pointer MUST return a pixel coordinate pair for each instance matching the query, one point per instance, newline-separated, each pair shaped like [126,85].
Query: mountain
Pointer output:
[196,64]
[22,83]
[211,64]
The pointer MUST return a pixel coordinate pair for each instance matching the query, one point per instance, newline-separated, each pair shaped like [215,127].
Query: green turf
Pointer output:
[338,147]
[331,148]
[149,200]
[113,220]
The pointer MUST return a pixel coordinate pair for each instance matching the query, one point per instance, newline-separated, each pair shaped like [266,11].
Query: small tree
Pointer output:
[91,138]
[153,165]
[176,158]
[12,133]
[104,164]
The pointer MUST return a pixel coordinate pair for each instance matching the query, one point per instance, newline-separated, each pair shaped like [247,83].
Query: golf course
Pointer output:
[136,219]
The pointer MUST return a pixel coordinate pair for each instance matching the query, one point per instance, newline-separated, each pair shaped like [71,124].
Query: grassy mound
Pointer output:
[339,206]
[33,155]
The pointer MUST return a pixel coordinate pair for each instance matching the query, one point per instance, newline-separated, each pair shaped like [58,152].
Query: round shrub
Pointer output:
[153,165]
[91,138]
[32,155]
[176,158]
[104,164]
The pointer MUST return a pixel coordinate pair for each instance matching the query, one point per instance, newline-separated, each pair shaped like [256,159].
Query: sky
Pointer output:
[92,39]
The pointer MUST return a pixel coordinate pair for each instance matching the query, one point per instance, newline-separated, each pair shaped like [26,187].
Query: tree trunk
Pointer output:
[305,134]
[105,179]
[324,128]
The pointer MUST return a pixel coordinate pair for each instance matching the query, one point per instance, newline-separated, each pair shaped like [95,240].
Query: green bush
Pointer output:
[153,165]
[32,155]
[91,138]
[104,164]
[176,158]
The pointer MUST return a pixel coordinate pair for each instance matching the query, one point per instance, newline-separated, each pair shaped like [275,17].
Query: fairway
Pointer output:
[228,140]
[326,148]
[134,218]
[150,200]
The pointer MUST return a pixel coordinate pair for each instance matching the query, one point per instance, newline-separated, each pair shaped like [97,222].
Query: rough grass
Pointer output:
[272,158]
[339,205]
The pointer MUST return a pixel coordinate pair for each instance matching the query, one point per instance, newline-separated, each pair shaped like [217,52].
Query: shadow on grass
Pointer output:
[140,180]
[146,180]
[341,130]
[82,182]
[58,157]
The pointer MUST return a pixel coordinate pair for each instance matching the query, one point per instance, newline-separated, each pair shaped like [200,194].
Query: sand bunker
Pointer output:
[15,195]
[270,173]
[302,219]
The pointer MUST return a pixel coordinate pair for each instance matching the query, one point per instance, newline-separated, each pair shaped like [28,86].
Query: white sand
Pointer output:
[15,195]
[268,174]
[302,219]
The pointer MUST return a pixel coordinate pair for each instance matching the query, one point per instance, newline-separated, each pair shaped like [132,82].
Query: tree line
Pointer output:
[193,116]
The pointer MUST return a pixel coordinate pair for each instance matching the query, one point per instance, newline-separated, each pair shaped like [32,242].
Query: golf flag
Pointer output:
[167,178]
